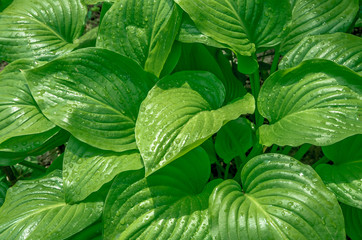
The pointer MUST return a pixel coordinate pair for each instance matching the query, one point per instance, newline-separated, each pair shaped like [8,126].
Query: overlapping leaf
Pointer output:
[314,17]
[242,25]
[36,209]
[94,94]
[143,30]
[317,102]
[342,48]
[86,169]
[40,28]
[353,221]
[170,204]
[344,177]
[181,112]
[281,198]
[3,187]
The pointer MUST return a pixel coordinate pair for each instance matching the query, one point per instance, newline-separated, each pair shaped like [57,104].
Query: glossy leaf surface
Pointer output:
[342,48]
[242,25]
[86,168]
[317,102]
[353,221]
[281,198]
[181,112]
[170,204]
[40,28]
[35,209]
[94,94]
[344,177]
[314,17]
[145,31]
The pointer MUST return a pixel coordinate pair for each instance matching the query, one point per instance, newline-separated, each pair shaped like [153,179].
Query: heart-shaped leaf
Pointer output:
[40,28]
[234,139]
[86,169]
[342,48]
[35,209]
[180,113]
[170,204]
[317,102]
[353,221]
[243,26]
[94,94]
[344,177]
[281,198]
[314,17]
[145,31]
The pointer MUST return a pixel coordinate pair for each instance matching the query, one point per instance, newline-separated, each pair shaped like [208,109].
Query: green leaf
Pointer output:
[145,31]
[243,26]
[87,40]
[190,34]
[234,139]
[94,94]
[209,147]
[170,204]
[281,198]
[92,232]
[86,169]
[317,102]
[180,113]
[344,177]
[4,4]
[3,187]
[314,17]
[353,221]
[40,28]
[36,209]
[342,48]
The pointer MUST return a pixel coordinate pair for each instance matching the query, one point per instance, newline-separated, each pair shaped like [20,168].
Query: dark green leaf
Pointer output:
[317,102]
[353,221]
[4,185]
[281,198]
[94,94]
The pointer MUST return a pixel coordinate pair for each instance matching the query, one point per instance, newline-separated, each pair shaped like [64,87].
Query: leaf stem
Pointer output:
[274,148]
[275,60]
[286,150]
[302,151]
[33,166]
[324,159]
[9,174]
[227,171]
[255,89]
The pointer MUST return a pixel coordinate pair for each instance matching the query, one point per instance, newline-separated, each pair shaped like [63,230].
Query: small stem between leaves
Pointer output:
[275,60]
[33,166]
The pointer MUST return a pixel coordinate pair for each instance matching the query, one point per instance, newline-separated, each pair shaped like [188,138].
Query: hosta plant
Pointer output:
[174,123]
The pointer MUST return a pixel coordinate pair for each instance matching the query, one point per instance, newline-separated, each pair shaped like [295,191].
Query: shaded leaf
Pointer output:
[353,221]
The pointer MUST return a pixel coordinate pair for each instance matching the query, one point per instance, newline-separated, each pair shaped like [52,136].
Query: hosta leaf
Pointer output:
[190,34]
[92,232]
[314,17]
[4,4]
[94,94]
[342,48]
[86,168]
[234,139]
[353,221]
[35,209]
[181,112]
[317,102]
[3,187]
[344,177]
[198,57]
[145,31]
[242,25]
[40,28]
[170,204]
[281,198]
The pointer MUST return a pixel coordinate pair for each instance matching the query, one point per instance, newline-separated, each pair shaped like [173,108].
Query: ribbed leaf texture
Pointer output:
[317,102]
[281,198]
[40,28]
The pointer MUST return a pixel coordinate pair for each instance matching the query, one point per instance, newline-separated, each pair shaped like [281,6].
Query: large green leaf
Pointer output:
[181,112]
[86,169]
[143,30]
[342,48]
[40,28]
[281,198]
[94,94]
[242,25]
[344,177]
[4,4]
[314,17]
[317,102]
[353,221]
[92,232]
[170,204]
[35,209]
[4,185]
